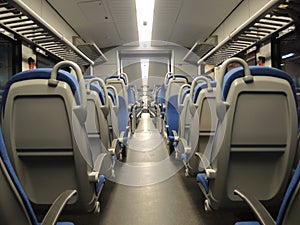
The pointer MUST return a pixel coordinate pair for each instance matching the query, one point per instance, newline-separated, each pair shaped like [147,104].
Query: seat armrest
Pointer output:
[258,209]
[114,145]
[57,206]
[187,149]
[175,134]
[210,173]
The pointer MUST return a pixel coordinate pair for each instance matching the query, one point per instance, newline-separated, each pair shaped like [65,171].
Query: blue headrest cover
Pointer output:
[43,73]
[176,76]
[201,86]
[183,94]
[86,77]
[99,90]
[255,71]
[111,95]
[116,76]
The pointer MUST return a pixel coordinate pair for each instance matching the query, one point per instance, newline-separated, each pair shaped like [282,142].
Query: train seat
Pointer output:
[132,107]
[44,115]
[120,82]
[201,119]
[173,83]
[112,117]
[97,125]
[15,208]
[255,139]
[289,210]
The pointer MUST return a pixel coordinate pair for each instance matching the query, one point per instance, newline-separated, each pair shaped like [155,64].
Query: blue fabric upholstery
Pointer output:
[64,223]
[172,116]
[89,77]
[4,156]
[122,115]
[99,184]
[248,223]
[201,178]
[131,95]
[285,202]
[43,74]
[112,96]
[290,190]
[199,87]
[255,71]
[14,178]
[183,94]
[176,76]
[116,76]
[100,91]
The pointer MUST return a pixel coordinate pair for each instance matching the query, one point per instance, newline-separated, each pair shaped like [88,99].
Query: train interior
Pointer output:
[149,112]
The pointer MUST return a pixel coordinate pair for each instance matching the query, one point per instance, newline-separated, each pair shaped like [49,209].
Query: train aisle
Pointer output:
[142,194]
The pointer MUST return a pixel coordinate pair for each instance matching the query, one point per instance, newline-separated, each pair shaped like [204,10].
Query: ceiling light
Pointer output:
[144,15]
[145,74]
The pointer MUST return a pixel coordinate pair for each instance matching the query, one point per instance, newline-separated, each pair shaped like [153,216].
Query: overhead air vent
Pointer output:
[91,50]
[199,49]
[22,22]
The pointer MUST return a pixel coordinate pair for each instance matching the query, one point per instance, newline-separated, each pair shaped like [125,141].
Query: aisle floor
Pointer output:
[145,197]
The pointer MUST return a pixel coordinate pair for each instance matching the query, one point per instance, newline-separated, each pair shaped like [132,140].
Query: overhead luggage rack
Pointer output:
[19,20]
[257,28]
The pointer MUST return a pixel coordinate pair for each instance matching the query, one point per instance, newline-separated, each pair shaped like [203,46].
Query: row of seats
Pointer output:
[63,132]
[247,128]
[256,136]
[186,113]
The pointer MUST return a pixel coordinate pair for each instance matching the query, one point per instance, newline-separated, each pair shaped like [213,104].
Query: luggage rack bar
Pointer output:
[21,21]
[256,29]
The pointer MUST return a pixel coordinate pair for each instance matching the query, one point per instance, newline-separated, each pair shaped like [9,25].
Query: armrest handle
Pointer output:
[57,206]
[259,210]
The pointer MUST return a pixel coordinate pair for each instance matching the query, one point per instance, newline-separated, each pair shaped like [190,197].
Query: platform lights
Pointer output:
[289,55]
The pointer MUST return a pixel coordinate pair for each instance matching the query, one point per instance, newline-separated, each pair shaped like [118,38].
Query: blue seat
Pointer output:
[289,210]
[14,204]
[256,135]
[120,83]
[173,82]
[198,117]
[97,125]
[44,115]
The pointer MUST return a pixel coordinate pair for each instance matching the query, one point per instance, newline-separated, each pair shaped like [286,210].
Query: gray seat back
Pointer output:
[256,135]
[44,116]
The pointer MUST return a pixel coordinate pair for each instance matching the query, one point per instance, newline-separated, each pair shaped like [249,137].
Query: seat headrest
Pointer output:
[43,73]
[184,94]
[116,77]
[201,86]
[111,95]
[255,71]
[99,90]
[176,76]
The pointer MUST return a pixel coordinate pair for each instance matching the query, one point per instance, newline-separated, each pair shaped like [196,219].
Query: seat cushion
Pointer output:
[100,184]
[203,181]
[248,223]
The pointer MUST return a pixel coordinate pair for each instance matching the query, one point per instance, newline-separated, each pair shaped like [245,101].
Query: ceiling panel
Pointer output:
[111,23]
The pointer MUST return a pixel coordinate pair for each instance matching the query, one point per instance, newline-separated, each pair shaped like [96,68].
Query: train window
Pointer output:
[6,62]
[290,55]
[10,59]
[43,61]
